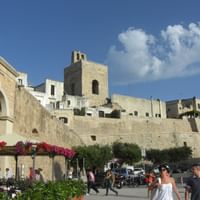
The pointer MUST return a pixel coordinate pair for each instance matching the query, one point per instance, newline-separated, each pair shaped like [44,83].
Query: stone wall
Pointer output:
[30,116]
[147,133]
[93,71]
[35,123]
[143,107]
[7,96]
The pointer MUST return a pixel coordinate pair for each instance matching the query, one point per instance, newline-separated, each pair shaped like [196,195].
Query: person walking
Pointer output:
[110,181]
[164,186]
[151,177]
[31,174]
[9,177]
[193,184]
[91,182]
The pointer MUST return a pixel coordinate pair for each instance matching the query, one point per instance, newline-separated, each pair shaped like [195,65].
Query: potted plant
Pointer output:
[20,148]
[2,144]
[58,190]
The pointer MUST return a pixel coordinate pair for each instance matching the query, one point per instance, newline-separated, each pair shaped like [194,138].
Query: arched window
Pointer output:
[64,119]
[35,132]
[95,87]
[136,113]
[3,109]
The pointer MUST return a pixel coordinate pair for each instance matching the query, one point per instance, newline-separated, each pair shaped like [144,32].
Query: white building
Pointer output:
[183,108]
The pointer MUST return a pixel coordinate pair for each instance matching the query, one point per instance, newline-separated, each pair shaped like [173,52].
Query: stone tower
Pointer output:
[85,78]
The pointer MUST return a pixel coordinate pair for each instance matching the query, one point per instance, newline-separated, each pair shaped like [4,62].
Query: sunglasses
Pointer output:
[163,169]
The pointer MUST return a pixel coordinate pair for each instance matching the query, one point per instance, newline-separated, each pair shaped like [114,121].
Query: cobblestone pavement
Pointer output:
[139,193]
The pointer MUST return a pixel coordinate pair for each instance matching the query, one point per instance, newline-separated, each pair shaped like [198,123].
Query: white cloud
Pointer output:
[176,53]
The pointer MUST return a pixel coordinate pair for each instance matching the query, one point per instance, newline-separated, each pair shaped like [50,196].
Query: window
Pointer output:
[136,113]
[187,105]
[52,90]
[57,105]
[53,104]
[78,56]
[73,89]
[198,105]
[185,144]
[35,132]
[101,113]
[147,114]
[157,115]
[20,81]
[63,119]
[68,102]
[93,137]
[95,87]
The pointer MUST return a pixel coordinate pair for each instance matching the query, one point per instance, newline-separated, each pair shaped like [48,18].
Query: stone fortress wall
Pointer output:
[34,122]
[147,133]
[146,126]
[37,124]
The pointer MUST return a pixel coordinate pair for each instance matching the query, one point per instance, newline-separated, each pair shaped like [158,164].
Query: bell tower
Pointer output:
[86,78]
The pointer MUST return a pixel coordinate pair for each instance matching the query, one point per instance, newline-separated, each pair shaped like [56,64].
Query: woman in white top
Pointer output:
[164,186]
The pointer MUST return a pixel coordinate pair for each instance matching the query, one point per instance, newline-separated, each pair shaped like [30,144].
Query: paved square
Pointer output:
[139,193]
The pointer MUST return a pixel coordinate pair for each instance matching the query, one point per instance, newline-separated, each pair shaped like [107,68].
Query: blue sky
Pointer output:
[152,47]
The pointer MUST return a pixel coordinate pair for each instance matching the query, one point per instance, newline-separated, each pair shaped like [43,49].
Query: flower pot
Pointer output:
[28,149]
[78,198]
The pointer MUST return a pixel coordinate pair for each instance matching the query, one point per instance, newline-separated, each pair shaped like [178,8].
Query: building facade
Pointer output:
[183,108]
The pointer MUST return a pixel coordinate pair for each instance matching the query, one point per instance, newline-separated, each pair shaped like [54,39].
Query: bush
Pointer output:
[169,155]
[59,190]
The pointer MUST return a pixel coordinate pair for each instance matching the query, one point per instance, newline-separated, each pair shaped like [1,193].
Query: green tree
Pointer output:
[169,155]
[154,155]
[127,152]
[93,155]
[179,154]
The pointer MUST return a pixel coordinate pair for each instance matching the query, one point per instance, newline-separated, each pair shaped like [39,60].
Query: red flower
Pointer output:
[55,150]
[20,148]
[2,144]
